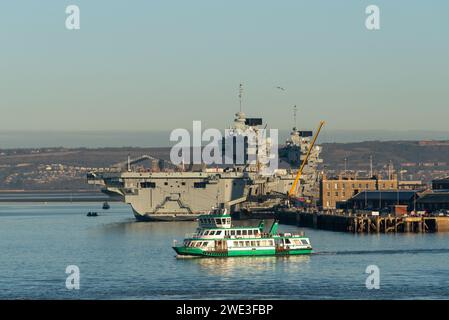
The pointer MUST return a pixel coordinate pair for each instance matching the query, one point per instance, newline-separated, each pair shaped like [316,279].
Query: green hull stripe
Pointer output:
[239,253]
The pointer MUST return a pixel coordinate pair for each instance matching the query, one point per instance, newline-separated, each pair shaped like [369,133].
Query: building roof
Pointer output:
[442,180]
[387,195]
[434,197]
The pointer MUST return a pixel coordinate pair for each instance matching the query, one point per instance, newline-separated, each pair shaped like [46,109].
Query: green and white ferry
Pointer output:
[216,237]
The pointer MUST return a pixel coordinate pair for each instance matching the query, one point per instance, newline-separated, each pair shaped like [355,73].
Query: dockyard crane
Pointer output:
[292,191]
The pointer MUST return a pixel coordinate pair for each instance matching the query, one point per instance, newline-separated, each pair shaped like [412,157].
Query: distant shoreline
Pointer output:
[53,196]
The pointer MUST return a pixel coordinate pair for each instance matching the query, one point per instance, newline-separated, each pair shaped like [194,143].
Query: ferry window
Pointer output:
[147,184]
[232,233]
[199,185]
[218,221]
[244,232]
[250,232]
[239,232]
[223,221]
[287,241]
[253,243]
[218,233]
[258,243]
[211,233]
[304,242]
[247,243]
[228,220]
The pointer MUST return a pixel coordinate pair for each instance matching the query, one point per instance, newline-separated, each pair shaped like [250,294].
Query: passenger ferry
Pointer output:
[216,237]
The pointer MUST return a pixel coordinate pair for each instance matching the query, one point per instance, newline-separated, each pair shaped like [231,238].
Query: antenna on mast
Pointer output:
[295,109]
[240,95]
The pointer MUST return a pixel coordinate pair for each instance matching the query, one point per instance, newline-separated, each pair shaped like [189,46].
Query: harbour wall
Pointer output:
[362,223]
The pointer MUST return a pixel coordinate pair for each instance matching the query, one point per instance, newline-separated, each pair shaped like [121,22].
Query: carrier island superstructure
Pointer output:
[184,195]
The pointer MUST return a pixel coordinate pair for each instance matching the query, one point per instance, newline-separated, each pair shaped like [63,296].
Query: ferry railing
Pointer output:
[191,235]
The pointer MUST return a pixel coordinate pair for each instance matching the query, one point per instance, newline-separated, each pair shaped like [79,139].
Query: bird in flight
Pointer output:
[280,88]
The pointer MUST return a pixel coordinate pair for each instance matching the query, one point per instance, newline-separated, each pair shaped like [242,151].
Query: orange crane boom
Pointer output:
[292,191]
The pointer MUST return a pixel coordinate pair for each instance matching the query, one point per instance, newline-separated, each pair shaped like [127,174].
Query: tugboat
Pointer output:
[216,237]
[106,205]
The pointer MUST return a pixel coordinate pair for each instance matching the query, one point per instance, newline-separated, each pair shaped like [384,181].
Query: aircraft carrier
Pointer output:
[181,195]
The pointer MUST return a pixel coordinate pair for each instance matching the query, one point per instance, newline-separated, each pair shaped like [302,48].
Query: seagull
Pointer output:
[280,88]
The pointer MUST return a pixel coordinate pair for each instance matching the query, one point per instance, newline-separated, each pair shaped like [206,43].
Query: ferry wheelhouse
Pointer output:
[217,237]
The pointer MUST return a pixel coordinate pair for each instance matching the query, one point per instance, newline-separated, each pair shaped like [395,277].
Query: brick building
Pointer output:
[342,188]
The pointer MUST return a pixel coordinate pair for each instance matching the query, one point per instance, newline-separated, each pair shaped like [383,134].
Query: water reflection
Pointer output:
[131,226]
[247,266]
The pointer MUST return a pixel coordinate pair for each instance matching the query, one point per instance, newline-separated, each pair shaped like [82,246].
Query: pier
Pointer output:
[361,223]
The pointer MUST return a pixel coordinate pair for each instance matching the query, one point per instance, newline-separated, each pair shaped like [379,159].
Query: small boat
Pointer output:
[92,214]
[106,205]
[216,237]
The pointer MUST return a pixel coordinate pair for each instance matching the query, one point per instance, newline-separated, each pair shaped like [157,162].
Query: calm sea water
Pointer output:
[120,258]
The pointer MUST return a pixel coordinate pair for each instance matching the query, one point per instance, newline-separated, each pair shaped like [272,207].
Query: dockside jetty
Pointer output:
[362,223]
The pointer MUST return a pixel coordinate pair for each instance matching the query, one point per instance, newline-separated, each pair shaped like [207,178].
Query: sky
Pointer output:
[159,65]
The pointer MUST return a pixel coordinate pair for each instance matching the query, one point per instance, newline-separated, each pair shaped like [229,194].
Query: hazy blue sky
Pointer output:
[153,65]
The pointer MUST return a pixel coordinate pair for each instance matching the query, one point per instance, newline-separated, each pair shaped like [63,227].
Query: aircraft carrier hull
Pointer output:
[183,196]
